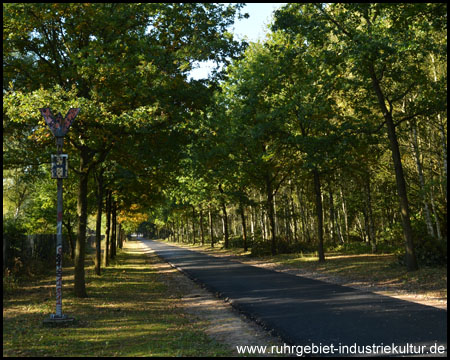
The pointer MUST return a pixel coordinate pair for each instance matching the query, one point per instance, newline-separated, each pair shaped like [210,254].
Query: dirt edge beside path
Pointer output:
[333,279]
[223,323]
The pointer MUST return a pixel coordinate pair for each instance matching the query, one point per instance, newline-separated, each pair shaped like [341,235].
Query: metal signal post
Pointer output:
[59,128]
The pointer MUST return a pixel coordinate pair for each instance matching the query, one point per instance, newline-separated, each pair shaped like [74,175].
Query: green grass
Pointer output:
[130,311]
[376,269]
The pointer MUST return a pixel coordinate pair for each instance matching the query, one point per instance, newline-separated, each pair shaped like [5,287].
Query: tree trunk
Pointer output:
[224,219]
[362,230]
[293,215]
[332,217]
[120,236]
[225,225]
[303,215]
[182,229]
[106,253]
[211,230]
[275,219]
[263,221]
[436,218]
[415,147]
[114,230]
[371,224]
[271,213]
[344,212]
[68,226]
[193,223]
[187,229]
[411,261]
[319,214]
[201,227]
[443,137]
[98,225]
[79,281]
[244,231]
[252,225]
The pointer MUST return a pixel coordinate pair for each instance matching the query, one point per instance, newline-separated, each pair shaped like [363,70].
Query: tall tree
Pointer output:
[119,58]
[380,43]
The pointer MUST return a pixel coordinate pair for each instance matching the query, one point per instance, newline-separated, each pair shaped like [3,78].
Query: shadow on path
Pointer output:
[305,311]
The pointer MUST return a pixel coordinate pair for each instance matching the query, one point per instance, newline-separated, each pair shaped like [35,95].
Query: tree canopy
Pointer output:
[330,132]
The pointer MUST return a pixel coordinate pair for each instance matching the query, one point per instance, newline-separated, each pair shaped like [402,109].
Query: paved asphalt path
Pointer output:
[305,311]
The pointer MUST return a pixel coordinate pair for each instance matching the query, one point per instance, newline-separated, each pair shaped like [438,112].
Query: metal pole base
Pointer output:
[58,320]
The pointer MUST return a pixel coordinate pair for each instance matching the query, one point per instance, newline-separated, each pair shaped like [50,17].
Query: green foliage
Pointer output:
[286,247]
[302,102]
[236,242]
[429,251]
[13,234]
[263,248]
[361,247]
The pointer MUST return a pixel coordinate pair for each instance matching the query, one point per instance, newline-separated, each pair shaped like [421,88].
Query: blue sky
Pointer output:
[255,27]
[252,29]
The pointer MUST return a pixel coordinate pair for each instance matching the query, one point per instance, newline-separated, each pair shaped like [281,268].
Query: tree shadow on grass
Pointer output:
[129,311]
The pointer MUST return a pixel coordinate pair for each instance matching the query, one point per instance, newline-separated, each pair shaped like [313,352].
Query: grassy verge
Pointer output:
[370,270]
[129,312]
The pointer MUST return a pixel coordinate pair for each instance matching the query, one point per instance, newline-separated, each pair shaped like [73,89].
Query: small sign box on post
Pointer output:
[60,166]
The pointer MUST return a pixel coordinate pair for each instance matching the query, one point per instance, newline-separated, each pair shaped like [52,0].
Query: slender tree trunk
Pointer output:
[211,230]
[444,154]
[411,261]
[438,225]
[193,223]
[332,216]
[338,228]
[361,229]
[182,230]
[303,216]
[201,227]
[252,225]
[244,231]
[319,214]
[224,219]
[225,225]
[68,226]
[415,147]
[372,237]
[344,212]
[98,225]
[271,213]
[114,230]
[443,137]
[120,236]
[264,225]
[79,283]
[275,219]
[293,215]
[106,253]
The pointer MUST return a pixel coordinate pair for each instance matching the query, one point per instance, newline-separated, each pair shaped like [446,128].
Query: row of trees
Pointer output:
[314,137]
[342,109]
[126,67]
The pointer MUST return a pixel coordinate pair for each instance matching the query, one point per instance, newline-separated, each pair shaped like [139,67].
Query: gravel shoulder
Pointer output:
[392,291]
[222,322]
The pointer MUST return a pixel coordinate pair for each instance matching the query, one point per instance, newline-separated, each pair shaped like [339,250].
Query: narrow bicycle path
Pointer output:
[305,311]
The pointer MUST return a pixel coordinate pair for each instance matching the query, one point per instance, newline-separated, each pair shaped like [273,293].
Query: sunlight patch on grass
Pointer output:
[129,312]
